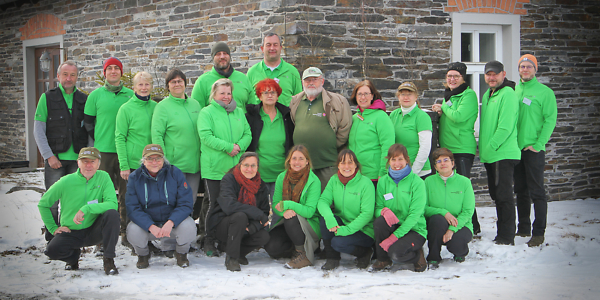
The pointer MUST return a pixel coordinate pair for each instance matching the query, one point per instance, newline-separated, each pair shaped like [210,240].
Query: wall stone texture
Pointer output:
[384,40]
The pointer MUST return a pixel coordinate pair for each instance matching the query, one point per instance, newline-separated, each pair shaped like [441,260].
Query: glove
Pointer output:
[389,216]
[388,242]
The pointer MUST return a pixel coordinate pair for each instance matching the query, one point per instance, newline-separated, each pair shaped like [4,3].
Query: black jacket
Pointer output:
[64,127]
[227,204]
[256,125]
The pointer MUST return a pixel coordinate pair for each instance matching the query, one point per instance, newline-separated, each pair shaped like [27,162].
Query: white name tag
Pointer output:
[527,101]
[388,196]
[93,202]
[449,103]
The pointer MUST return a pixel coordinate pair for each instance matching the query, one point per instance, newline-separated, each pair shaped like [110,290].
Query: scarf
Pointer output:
[225,74]
[143,98]
[298,179]
[345,179]
[449,93]
[113,88]
[377,104]
[249,187]
[228,107]
[398,175]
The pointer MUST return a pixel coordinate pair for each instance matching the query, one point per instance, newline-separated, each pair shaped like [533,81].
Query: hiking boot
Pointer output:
[182,260]
[232,264]
[169,253]
[209,247]
[299,262]
[501,241]
[522,233]
[380,265]
[330,264]
[459,259]
[109,266]
[143,261]
[364,260]
[421,264]
[72,266]
[535,241]
[433,264]
[243,261]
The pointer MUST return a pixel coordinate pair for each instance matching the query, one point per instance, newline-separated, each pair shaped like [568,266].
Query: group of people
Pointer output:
[284,165]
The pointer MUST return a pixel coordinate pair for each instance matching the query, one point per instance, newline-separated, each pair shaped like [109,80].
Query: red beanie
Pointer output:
[112,61]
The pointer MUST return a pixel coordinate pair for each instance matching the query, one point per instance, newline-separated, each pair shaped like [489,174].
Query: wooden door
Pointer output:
[45,80]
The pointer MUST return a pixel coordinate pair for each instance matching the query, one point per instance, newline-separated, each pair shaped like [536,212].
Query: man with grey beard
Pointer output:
[323,120]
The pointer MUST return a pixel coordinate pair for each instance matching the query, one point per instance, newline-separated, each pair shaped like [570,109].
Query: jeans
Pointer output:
[529,186]
[347,244]
[500,184]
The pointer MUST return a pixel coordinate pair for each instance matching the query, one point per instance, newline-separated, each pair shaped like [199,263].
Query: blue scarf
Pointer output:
[399,174]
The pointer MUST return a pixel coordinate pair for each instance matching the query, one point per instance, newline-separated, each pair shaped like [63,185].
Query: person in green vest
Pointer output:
[274,67]
[372,131]
[537,119]
[100,118]
[222,68]
[457,122]
[413,128]
[449,210]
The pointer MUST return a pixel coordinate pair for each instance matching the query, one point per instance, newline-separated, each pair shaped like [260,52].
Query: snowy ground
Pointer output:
[565,267]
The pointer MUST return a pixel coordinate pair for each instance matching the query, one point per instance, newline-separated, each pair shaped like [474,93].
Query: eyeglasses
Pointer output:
[269,93]
[176,82]
[439,161]
[455,77]
[363,94]
[526,67]
[249,166]
[155,159]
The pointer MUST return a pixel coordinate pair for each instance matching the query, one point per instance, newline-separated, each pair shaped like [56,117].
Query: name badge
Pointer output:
[449,103]
[93,202]
[527,101]
[388,196]
[360,117]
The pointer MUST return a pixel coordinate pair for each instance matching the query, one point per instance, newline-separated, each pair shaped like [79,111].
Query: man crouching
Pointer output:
[88,214]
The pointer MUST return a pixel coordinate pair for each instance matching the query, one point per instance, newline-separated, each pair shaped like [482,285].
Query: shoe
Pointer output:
[232,264]
[500,241]
[535,241]
[72,266]
[109,266]
[330,264]
[421,264]
[459,259]
[243,261]
[522,234]
[299,262]
[169,253]
[182,260]
[433,264]
[209,247]
[363,261]
[143,261]
[380,265]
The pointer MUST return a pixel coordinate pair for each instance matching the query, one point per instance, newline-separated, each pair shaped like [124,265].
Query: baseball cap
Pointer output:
[494,66]
[408,85]
[311,72]
[89,152]
[153,149]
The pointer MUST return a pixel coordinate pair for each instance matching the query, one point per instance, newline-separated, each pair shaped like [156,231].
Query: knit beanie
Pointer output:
[458,67]
[530,58]
[112,61]
[218,47]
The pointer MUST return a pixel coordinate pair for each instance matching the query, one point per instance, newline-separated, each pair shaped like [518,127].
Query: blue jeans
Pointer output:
[345,244]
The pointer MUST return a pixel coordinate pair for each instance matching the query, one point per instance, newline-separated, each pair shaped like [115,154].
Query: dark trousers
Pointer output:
[110,164]
[529,186]
[50,177]
[212,188]
[404,250]
[231,231]
[500,184]
[284,237]
[346,244]
[464,163]
[66,246]
[458,245]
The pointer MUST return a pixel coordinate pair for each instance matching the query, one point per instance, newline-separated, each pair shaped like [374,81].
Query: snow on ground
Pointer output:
[565,267]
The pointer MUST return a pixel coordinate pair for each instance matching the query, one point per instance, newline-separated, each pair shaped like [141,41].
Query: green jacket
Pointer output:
[219,131]
[537,114]
[287,75]
[498,125]
[370,139]
[353,203]
[243,91]
[174,129]
[104,105]
[307,207]
[455,196]
[457,123]
[132,131]
[407,203]
[93,197]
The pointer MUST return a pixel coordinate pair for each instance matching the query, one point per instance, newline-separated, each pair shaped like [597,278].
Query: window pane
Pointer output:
[487,47]
[465,46]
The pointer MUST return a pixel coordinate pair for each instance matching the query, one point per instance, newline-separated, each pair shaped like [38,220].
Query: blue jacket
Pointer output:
[152,200]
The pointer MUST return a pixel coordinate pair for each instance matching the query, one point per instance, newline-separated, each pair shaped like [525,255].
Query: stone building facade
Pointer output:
[386,41]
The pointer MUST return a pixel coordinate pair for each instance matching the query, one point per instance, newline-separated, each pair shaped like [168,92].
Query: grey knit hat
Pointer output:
[218,47]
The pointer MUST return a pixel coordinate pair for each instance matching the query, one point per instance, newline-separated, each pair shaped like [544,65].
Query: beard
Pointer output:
[313,92]
[222,65]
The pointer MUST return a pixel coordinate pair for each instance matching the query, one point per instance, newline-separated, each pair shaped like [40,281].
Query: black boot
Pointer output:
[109,266]
[333,257]
[143,261]
[363,256]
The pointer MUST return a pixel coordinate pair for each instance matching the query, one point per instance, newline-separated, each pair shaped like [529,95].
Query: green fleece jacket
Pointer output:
[285,74]
[132,132]
[370,138]
[498,126]
[243,91]
[307,206]
[104,105]
[353,203]
[537,114]
[457,123]
[174,129]
[93,197]
[219,131]
[455,196]
[406,200]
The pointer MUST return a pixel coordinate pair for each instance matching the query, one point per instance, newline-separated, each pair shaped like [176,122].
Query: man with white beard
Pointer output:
[323,120]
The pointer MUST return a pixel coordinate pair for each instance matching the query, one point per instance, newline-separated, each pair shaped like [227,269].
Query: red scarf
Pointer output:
[249,186]
[345,179]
